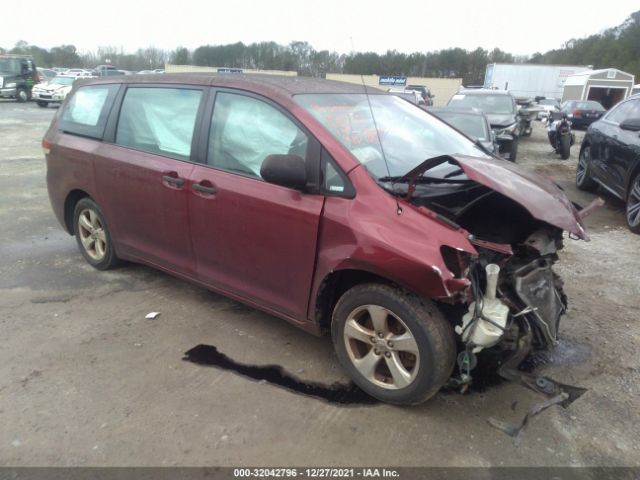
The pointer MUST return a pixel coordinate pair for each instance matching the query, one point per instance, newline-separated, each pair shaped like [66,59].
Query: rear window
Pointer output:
[471,125]
[87,111]
[589,105]
[488,103]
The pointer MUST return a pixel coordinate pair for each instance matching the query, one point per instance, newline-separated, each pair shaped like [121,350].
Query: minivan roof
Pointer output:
[271,85]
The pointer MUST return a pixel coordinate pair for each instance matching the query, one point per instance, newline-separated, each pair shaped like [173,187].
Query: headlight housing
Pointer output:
[510,130]
[10,85]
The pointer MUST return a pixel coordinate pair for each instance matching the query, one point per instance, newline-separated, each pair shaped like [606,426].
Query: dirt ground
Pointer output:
[85,379]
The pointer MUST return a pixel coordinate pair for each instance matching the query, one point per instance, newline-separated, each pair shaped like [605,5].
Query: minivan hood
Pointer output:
[501,119]
[539,195]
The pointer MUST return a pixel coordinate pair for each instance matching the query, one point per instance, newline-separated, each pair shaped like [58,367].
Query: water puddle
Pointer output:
[337,393]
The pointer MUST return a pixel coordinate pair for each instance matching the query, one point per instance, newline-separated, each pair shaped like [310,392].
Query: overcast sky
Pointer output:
[519,27]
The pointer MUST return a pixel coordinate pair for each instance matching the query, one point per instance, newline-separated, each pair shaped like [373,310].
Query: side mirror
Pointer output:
[631,124]
[285,170]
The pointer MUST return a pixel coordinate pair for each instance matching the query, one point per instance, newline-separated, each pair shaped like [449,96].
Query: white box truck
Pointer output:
[525,80]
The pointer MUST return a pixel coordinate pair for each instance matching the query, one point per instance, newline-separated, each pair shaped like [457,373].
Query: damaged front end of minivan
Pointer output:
[512,300]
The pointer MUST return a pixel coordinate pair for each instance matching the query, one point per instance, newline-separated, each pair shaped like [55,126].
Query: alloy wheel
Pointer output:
[92,234]
[633,204]
[381,347]
[583,165]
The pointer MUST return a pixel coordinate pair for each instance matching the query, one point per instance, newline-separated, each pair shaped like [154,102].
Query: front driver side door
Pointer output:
[612,163]
[253,239]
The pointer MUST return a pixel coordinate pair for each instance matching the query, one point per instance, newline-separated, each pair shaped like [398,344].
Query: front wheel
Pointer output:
[42,104]
[396,347]
[93,236]
[565,146]
[633,205]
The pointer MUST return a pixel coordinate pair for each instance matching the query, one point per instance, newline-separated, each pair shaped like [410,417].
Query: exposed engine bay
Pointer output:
[515,300]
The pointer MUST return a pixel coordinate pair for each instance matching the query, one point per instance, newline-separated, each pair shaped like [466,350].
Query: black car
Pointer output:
[18,75]
[500,108]
[582,113]
[473,123]
[610,157]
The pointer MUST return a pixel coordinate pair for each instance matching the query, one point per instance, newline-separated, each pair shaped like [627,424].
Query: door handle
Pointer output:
[204,189]
[178,182]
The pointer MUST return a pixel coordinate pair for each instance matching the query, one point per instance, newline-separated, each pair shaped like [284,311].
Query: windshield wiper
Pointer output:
[424,179]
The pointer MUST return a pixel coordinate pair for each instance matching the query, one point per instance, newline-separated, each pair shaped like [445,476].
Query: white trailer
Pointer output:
[525,80]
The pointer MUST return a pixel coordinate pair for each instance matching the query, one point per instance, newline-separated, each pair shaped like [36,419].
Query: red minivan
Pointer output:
[335,207]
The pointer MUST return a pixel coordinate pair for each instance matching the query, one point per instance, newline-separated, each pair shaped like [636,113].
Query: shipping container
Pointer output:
[529,81]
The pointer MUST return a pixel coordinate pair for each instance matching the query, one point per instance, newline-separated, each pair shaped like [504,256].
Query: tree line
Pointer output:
[618,47]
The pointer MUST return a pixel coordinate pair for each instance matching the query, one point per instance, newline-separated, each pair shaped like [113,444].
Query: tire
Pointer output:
[42,104]
[513,151]
[21,95]
[369,354]
[565,146]
[632,212]
[93,236]
[583,175]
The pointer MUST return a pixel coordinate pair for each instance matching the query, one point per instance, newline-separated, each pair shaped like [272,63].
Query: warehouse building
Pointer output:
[441,88]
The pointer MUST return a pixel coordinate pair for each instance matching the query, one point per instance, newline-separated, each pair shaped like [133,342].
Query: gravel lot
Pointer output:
[85,379]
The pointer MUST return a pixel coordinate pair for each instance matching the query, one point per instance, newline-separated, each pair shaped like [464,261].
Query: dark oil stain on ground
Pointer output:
[336,393]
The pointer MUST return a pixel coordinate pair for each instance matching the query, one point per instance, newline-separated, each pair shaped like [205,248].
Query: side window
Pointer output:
[87,111]
[621,112]
[244,131]
[334,181]
[635,113]
[159,120]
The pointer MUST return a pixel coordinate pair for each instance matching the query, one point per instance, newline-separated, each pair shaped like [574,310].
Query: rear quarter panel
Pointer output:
[70,166]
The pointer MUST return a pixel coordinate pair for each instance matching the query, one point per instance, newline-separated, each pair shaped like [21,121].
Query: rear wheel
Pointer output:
[396,347]
[633,205]
[22,95]
[92,235]
[583,177]
[565,146]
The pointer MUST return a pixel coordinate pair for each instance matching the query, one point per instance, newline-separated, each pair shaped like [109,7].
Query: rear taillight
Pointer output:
[37,77]
[46,147]
[577,112]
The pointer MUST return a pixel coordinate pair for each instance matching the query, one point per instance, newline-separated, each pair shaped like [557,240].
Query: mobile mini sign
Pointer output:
[393,81]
